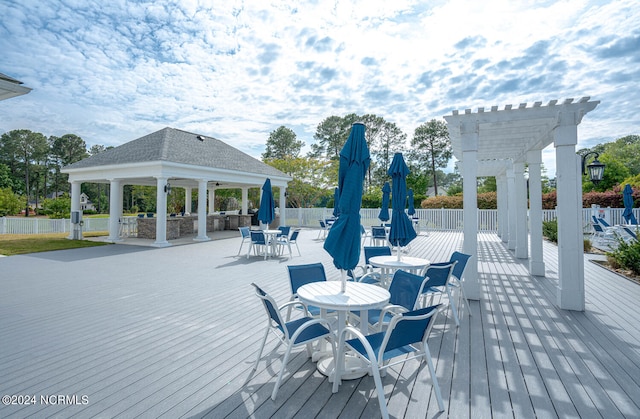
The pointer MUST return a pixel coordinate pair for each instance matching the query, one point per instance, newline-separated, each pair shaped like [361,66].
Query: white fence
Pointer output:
[33,225]
[434,219]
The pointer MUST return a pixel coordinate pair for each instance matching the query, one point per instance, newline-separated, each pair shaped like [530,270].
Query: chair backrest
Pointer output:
[462,259]
[438,273]
[372,251]
[285,230]
[257,237]
[378,232]
[294,236]
[405,289]
[631,233]
[598,228]
[270,306]
[322,224]
[407,329]
[595,219]
[604,222]
[300,275]
[244,231]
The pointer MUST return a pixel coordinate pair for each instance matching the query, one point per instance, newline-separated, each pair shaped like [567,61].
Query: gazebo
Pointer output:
[500,143]
[173,158]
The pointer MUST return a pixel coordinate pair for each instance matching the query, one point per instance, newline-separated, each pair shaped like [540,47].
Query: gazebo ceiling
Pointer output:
[10,87]
[508,134]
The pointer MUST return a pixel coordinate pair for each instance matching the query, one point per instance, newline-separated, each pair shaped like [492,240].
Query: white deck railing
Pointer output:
[434,219]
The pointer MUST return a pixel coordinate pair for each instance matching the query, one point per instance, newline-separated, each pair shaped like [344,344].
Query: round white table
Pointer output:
[390,264]
[270,240]
[357,297]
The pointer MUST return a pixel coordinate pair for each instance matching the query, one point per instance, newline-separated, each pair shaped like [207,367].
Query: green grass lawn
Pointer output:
[14,244]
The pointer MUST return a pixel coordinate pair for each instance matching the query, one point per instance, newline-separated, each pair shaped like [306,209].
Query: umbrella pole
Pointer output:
[344,281]
[399,253]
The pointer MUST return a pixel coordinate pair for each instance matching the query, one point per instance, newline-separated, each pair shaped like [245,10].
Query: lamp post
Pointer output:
[595,168]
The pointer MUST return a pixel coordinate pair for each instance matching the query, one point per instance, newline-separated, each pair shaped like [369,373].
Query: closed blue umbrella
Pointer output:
[384,212]
[267,211]
[336,200]
[627,197]
[411,210]
[343,241]
[402,231]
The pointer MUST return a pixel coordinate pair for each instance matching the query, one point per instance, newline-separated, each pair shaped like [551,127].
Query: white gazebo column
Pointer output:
[522,236]
[245,199]
[115,210]
[536,262]
[187,201]
[75,202]
[283,207]
[212,199]
[511,212]
[503,216]
[202,210]
[570,294]
[161,213]
[469,135]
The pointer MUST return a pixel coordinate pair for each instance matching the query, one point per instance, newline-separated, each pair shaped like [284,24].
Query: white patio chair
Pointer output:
[294,333]
[407,334]
[246,236]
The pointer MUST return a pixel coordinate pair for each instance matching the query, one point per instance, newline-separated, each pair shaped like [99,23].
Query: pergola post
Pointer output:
[469,135]
[161,213]
[202,211]
[503,205]
[536,262]
[115,210]
[570,295]
[511,198]
[520,192]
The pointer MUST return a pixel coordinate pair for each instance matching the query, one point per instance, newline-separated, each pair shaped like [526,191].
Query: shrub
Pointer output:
[550,230]
[10,203]
[487,200]
[626,255]
[58,208]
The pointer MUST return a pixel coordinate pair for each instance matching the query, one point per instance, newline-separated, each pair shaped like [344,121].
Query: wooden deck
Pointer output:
[173,332]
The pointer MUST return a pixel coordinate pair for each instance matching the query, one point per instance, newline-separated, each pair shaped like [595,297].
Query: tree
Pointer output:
[331,135]
[282,144]
[432,147]
[384,140]
[27,148]
[66,150]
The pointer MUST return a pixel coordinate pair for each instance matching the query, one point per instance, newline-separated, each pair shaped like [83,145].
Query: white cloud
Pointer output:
[111,72]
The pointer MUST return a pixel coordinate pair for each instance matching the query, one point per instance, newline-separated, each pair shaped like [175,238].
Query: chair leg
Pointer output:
[264,340]
[464,296]
[379,390]
[284,365]
[299,254]
[249,251]
[453,307]
[434,379]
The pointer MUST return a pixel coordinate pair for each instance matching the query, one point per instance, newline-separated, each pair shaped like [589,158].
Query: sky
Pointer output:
[113,71]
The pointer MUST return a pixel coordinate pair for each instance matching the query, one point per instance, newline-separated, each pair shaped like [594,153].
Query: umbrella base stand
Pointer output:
[354,367]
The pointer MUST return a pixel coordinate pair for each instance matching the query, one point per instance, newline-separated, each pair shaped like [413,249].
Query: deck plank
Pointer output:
[176,333]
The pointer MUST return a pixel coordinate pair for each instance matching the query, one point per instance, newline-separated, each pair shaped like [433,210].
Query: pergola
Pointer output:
[10,87]
[173,158]
[500,143]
